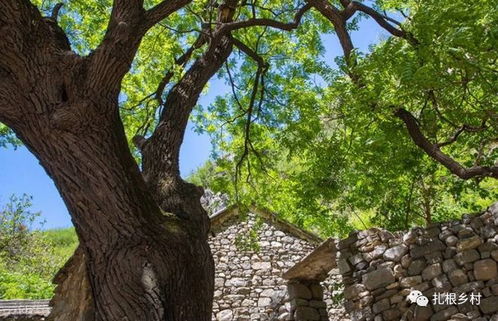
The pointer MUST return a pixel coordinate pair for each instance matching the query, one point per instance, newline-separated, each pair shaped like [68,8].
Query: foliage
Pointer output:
[332,156]
[7,137]
[29,258]
[249,241]
[21,285]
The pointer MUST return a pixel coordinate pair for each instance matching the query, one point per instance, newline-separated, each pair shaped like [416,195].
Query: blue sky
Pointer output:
[20,172]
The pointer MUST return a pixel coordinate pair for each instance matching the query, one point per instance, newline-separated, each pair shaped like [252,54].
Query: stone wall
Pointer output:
[248,282]
[307,301]
[455,259]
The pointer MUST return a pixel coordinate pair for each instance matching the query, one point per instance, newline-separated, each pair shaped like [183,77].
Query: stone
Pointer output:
[433,258]
[261,265]
[441,282]
[468,256]
[237,282]
[468,287]
[410,281]
[488,231]
[458,277]
[430,247]
[488,246]
[307,313]
[431,271]
[395,253]
[318,304]
[406,260]
[243,290]
[494,289]
[445,314]
[451,240]
[225,315]
[392,314]
[219,282]
[466,232]
[416,267]
[449,265]
[397,299]
[409,238]
[381,305]
[376,253]
[469,244]
[343,266]
[299,290]
[355,259]
[300,302]
[449,252]
[485,269]
[494,255]
[378,278]
[399,271]
[422,313]
[352,291]
[267,293]
[316,291]
[489,305]
[387,294]
[262,302]
[247,303]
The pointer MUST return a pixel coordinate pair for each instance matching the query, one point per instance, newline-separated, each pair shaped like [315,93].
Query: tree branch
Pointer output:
[55,11]
[339,22]
[163,10]
[382,20]
[227,27]
[161,152]
[435,152]
[339,19]
[22,47]
[249,52]
[459,131]
[128,24]
[180,61]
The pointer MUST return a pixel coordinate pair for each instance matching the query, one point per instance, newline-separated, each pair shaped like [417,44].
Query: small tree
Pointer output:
[27,258]
[16,221]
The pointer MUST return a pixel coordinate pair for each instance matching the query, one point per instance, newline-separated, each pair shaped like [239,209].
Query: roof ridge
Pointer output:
[229,211]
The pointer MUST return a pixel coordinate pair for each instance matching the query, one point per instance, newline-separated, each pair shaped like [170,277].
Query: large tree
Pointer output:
[76,95]
[143,251]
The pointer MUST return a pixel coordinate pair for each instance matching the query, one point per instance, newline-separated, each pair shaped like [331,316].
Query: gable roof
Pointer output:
[225,214]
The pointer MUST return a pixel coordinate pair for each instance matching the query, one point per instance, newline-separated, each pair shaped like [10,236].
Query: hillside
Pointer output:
[27,272]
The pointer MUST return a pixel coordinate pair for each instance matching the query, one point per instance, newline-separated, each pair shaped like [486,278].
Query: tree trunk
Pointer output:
[143,251]
[141,263]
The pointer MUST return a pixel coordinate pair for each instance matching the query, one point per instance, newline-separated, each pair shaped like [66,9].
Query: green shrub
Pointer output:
[29,258]
[17,285]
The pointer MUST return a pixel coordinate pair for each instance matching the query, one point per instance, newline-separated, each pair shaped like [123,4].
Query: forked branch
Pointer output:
[163,10]
[434,151]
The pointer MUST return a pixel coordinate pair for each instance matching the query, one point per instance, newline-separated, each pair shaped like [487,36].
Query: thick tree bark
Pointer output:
[140,263]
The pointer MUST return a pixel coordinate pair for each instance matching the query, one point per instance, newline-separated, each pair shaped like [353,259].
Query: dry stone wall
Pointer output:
[250,257]
[445,261]
[307,301]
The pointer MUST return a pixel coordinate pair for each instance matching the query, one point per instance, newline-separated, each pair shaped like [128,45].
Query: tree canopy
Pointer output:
[325,132]
[364,144]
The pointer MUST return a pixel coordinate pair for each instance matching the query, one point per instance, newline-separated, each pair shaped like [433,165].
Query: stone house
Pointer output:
[252,252]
